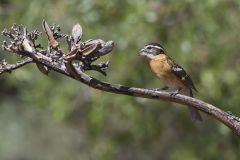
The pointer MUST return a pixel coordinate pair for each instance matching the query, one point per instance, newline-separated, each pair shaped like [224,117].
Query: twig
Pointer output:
[8,68]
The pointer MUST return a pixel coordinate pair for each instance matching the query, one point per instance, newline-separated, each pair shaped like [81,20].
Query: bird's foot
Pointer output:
[174,93]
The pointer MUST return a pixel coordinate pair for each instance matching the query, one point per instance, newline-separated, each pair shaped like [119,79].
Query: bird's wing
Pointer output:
[181,74]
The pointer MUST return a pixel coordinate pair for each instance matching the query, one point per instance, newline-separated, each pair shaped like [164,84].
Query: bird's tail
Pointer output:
[195,115]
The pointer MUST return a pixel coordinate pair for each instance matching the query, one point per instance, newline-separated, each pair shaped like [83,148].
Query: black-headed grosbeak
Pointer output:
[171,74]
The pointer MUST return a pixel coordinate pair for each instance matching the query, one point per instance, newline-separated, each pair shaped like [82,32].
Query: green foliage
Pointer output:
[57,118]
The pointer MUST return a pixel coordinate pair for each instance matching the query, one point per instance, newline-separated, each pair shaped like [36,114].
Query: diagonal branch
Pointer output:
[230,120]
[85,53]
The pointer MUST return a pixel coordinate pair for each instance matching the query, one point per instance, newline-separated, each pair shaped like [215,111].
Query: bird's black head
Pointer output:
[151,50]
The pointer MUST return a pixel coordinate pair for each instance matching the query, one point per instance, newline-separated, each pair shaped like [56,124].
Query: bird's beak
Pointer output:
[142,52]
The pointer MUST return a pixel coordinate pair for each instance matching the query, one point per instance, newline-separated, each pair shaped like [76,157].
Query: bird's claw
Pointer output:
[175,92]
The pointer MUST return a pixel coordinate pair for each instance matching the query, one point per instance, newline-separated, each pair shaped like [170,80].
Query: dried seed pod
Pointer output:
[50,35]
[77,33]
[92,48]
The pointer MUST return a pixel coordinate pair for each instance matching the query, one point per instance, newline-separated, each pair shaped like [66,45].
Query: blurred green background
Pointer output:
[55,117]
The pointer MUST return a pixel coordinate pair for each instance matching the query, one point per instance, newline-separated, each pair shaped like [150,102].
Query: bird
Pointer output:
[172,75]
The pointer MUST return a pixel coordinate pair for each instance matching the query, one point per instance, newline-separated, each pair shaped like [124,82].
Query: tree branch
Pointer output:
[8,68]
[85,53]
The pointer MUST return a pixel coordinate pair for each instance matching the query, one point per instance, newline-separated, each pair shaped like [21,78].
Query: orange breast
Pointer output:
[160,66]
[162,69]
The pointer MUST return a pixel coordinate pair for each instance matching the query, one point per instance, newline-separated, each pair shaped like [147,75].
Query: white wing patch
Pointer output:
[184,78]
[177,69]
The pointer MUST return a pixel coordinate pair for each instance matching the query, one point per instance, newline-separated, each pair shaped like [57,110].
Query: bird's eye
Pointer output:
[149,47]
